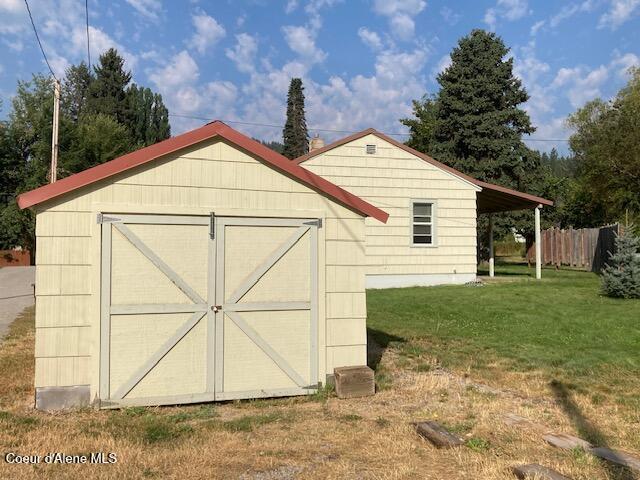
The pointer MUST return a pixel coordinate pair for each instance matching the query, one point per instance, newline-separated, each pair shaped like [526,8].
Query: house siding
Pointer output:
[390,179]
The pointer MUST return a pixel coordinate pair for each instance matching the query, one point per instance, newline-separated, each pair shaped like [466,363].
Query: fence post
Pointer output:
[538,246]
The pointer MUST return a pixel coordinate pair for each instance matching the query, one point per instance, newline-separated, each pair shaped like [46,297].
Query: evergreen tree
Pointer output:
[475,124]
[160,128]
[422,127]
[75,90]
[107,94]
[295,136]
[149,118]
[275,146]
[621,276]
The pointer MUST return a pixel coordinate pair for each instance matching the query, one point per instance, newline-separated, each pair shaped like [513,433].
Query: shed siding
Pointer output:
[213,175]
[390,179]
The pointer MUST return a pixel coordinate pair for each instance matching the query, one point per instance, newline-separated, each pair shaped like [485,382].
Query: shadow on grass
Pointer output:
[483,270]
[587,429]
[376,348]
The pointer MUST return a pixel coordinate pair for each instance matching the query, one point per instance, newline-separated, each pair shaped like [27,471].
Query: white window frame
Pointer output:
[434,230]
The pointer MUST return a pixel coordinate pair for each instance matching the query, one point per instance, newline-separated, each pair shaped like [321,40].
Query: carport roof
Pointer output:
[490,199]
[173,144]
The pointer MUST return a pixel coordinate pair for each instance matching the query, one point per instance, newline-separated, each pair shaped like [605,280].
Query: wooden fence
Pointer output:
[587,248]
[15,258]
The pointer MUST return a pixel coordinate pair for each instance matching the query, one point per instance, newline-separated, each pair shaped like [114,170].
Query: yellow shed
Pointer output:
[205,267]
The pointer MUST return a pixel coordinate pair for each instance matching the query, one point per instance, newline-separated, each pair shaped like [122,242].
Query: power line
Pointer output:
[254,124]
[38,39]
[86,9]
[237,122]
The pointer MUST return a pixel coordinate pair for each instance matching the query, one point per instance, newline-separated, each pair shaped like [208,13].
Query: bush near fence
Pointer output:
[587,248]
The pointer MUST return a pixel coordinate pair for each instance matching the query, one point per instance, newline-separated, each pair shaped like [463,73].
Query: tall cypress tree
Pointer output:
[295,136]
[476,122]
[107,93]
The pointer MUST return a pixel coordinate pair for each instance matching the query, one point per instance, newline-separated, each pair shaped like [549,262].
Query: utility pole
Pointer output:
[54,133]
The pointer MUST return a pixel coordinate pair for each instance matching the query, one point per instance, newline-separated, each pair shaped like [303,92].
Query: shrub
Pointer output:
[621,276]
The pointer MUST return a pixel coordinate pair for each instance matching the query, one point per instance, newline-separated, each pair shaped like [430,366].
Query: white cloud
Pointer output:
[535,27]
[178,84]
[12,6]
[624,62]
[570,10]
[150,9]
[208,32]
[581,84]
[100,42]
[619,12]
[291,6]
[302,38]
[509,10]
[401,14]
[403,26]
[449,15]
[244,52]
[181,70]
[302,41]
[369,38]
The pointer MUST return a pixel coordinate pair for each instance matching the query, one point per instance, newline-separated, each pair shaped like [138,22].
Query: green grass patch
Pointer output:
[17,423]
[145,426]
[561,325]
[382,422]
[248,423]
[351,417]
[322,394]
[478,444]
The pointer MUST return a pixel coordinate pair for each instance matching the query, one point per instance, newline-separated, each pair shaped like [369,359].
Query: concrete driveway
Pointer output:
[16,293]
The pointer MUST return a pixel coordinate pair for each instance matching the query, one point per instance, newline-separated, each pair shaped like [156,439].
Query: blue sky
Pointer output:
[362,61]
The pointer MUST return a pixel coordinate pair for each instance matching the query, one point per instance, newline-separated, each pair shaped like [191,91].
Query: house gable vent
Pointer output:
[371,149]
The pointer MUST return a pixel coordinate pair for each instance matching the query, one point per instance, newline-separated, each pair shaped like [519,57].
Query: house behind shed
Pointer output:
[205,267]
[430,237]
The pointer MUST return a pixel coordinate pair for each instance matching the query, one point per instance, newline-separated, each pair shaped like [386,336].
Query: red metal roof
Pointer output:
[171,145]
[491,199]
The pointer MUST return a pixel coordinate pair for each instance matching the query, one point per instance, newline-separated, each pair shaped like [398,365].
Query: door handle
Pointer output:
[216,308]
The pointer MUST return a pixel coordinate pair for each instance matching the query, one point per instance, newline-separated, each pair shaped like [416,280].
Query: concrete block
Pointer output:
[51,399]
[354,381]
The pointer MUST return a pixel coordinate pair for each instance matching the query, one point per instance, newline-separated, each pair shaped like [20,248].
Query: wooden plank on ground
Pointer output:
[437,435]
[565,441]
[353,382]
[534,470]
[618,457]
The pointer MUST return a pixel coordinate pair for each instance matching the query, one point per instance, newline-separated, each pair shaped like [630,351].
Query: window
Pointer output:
[371,149]
[423,227]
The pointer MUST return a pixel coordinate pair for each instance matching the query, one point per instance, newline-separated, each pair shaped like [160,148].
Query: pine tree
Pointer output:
[75,90]
[621,276]
[474,124]
[295,136]
[107,94]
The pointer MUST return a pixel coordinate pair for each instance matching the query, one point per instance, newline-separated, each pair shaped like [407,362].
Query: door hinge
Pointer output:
[104,219]
[212,225]
[317,223]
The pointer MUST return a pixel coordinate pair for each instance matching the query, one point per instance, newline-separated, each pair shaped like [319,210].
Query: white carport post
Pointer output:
[538,244]
[491,255]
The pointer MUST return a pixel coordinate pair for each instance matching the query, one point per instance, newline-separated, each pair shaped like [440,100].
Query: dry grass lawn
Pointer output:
[319,437]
